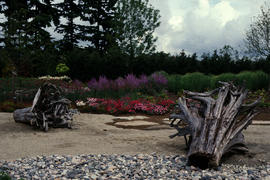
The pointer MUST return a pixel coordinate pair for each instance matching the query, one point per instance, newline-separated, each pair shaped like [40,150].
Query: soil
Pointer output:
[99,133]
[264,114]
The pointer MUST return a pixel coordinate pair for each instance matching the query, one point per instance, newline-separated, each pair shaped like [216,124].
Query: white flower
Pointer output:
[80,103]
[48,77]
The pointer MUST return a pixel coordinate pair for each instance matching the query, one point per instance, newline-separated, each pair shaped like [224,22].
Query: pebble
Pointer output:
[140,166]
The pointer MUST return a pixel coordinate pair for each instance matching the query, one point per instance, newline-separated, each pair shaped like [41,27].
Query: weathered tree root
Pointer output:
[214,124]
[48,109]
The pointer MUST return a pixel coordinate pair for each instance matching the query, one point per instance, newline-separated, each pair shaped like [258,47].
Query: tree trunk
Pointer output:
[214,125]
[23,115]
[48,109]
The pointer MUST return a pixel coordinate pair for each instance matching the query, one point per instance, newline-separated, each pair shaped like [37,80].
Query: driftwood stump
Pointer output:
[48,109]
[213,123]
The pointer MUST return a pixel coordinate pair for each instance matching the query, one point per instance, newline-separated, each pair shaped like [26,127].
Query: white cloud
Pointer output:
[224,12]
[203,25]
[176,23]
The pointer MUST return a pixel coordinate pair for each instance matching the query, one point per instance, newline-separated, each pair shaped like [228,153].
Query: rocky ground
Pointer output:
[140,166]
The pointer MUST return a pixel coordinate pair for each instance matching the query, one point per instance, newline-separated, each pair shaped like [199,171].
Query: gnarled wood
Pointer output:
[215,124]
[48,109]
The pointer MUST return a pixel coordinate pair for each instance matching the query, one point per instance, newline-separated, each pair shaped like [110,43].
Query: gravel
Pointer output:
[140,166]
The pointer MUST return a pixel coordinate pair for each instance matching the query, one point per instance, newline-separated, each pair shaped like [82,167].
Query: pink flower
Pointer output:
[126,105]
[91,100]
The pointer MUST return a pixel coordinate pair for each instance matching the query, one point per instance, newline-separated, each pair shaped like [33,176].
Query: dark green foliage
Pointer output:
[253,80]
[196,82]
[26,43]
[136,23]
[84,65]
[4,176]
[101,17]
[226,77]
[174,83]
[116,64]
[200,82]
[191,81]
[69,9]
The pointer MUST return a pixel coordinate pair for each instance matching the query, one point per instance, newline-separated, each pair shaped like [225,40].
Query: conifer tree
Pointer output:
[70,10]
[100,16]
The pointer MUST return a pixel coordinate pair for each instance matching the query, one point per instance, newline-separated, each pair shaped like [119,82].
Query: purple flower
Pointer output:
[119,83]
[143,80]
[132,82]
[92,84]
[77,85]
[103,83]
[159,79]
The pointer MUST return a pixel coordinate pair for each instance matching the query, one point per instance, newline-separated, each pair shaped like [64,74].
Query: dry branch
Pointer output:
[48,109]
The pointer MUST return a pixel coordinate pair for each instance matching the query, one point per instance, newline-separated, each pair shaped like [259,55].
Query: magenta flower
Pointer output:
[120,83]
[132,81]
[92,84]
[103,83]
[159,79]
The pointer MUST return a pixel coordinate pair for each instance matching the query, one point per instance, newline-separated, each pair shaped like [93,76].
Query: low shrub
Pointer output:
[191,81]
[174,83]
[225,77]
[196,82]
[253,80]
[200,82]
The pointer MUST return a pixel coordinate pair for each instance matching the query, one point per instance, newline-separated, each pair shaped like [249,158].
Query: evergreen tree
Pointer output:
[100,16]
[14,36]
[24,36]
[14,27]
[70,10]
[41,15]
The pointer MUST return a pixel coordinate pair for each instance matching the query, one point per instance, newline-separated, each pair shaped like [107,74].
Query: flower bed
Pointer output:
[125,105]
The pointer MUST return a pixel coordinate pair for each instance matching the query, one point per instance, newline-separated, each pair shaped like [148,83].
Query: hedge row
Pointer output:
[201,82]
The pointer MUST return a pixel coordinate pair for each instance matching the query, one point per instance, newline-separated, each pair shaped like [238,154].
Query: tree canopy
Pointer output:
[105,37]
[137,21]
[258,34]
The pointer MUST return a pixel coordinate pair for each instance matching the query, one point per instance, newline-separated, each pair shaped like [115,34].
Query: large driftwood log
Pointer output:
[213,123]
[48,109]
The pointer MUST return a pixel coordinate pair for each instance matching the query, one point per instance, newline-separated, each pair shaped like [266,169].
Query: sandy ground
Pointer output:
[91,135]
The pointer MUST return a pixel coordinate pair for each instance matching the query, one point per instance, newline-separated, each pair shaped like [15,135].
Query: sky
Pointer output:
[201,26]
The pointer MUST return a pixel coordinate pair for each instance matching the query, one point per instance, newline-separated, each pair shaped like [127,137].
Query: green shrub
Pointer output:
[253,80]
[201,82]
[225,77]
[165,74]
[174,83]
[196,82]
[62,68]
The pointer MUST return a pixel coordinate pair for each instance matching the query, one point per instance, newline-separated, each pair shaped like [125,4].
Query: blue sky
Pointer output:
[203,25]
